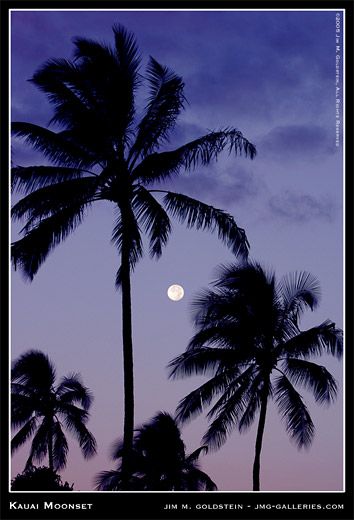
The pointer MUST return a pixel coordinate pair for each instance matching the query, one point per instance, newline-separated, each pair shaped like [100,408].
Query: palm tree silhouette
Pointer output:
[40,410]
[248,338]
[159,461]
[104,153]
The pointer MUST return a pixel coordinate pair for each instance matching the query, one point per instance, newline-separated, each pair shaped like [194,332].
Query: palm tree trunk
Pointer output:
[127,365]
[50,449]
[259,439]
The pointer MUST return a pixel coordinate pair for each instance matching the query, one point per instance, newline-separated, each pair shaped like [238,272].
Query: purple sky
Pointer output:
[271,75]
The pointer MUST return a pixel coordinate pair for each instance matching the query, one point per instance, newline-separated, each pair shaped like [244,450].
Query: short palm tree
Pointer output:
[40,409]
[159,461]
[103,153]
[248,338]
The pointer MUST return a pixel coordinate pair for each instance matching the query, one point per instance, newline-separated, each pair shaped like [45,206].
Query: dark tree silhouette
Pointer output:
[39,410]
[103,153]
[248,338]
[39,479]
[159,461]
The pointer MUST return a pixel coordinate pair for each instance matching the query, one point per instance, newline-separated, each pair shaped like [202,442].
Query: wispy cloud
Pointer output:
[296,142]
[302,207]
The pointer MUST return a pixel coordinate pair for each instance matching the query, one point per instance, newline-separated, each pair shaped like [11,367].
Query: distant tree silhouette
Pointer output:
[104,153]
[248,338]
[159,461]
[39,479]
[40,410]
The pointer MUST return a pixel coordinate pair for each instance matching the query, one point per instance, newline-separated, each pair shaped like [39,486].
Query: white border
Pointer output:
[214,493]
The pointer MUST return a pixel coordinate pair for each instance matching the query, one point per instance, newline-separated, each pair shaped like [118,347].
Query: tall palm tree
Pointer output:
[159,461]
[248,338]
[40,409]
[102,152]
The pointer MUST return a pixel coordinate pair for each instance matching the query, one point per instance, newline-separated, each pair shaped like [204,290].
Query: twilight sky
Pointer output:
[271,74]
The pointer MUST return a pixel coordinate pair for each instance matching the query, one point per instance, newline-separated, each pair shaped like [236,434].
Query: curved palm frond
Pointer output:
[21,406]
[196,479]
[202,216]
[60,447]
[29,253]
[198,360]
[24,434]
[229,409]
[40,442]
[86,440]
[58,147]
[71,390]
[312,377]
[196,401]
[201,151]
[108,481]
[293,412]
[31,178]
[52,199]
[154,218]
[315,341]
[164,106]
[196,453]
[299,290]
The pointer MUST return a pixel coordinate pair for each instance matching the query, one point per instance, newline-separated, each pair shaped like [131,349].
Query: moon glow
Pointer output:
[175,292]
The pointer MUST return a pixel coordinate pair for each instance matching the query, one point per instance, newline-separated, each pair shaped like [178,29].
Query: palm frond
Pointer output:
[196,454]
[74,104]
[49,200]
[254,402]
[214,307]
[85,438]
[40,442]
[31,178]
[112,76]
[313,377]
[108,481]
[24,434]
[58,147]
[294,413]
[71,414]
[22,407]
[154,218]
[196,401]
[197,480]
[164,105]
[72,390]
[201,151]
[229,409]
[202,216]
[299,290]
[60,447]
[31,251]
[325,338]
[199,360]
[34,370]
[127,229]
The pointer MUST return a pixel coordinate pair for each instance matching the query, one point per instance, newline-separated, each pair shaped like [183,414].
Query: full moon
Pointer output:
[175,292]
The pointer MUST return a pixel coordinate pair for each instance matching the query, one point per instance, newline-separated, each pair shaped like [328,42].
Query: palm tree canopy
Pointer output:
[98,149]
[160,462]
[249,341]
[39,409]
